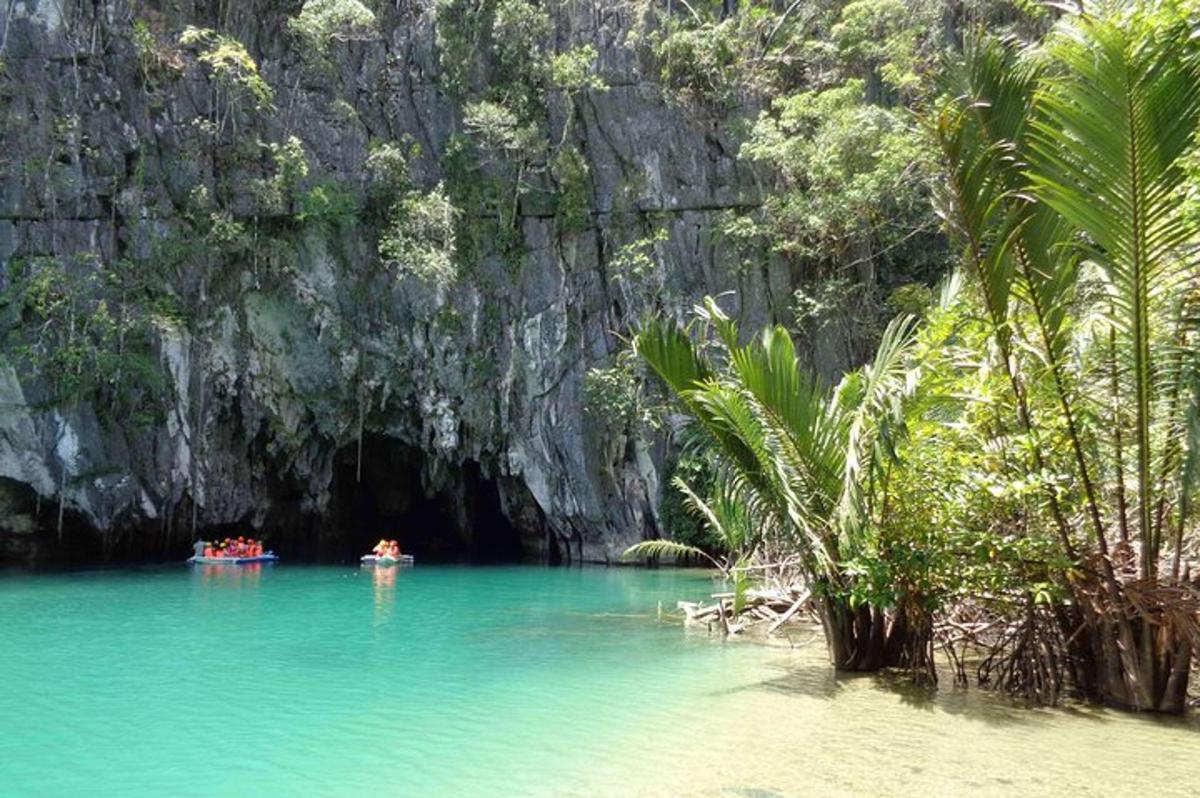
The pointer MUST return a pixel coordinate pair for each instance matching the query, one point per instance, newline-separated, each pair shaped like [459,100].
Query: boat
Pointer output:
[386,562]
[269,556]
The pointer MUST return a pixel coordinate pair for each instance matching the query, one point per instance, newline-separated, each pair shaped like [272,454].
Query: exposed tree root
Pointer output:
[1039,651]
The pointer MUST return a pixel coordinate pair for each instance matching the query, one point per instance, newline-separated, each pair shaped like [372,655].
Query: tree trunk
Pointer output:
[1160,682]
[866,638]
[1144,666]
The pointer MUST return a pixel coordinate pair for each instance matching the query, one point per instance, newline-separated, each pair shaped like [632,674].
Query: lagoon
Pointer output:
[514,681]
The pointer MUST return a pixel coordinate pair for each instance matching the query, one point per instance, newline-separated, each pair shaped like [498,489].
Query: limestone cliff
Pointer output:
[281,342]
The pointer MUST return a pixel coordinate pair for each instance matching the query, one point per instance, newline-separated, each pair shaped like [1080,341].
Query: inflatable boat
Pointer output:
[385,562]
[269,556]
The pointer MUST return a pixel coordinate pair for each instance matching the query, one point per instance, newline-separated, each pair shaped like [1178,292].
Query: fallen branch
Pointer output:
[800,602]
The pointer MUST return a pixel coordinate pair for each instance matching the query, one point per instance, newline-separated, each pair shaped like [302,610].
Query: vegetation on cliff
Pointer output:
[413,186]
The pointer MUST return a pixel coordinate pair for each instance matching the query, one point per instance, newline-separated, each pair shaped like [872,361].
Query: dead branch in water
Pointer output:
[772,606]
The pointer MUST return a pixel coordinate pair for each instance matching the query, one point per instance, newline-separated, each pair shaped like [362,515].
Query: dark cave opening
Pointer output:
[34,534]
[460,519]
[457,517]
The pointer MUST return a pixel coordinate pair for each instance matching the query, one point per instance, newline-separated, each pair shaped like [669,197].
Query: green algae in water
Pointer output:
[496,681]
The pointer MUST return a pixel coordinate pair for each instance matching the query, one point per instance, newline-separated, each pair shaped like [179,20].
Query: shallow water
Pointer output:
[494,681]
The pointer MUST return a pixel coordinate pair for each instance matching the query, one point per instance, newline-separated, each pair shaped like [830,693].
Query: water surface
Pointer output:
[494,681]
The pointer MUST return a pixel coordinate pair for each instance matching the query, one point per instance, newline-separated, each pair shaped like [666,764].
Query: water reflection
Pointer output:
[238,576]
[384,581]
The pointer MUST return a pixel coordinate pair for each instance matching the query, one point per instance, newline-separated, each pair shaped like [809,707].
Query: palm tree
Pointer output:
[797,456]
[1064,186]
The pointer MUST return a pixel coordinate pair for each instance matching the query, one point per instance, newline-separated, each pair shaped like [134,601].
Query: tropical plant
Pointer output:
[723,515]
[798,458]
[1066,190]
[236,81]
[322,22]
[418,239]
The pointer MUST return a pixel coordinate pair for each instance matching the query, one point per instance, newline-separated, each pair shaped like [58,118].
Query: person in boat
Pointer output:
[381,548]
[393,550]
[200,548]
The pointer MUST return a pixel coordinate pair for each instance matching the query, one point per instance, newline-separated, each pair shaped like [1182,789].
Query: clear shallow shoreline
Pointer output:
[484,681]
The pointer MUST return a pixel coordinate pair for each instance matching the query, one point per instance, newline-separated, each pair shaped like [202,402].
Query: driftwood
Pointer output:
[792,610]
[774,607]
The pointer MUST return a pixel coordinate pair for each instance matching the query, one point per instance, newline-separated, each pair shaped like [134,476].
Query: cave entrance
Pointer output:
[461,519]
[30,533]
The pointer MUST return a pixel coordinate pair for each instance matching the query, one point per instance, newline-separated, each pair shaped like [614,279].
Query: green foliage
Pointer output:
[800,460]
[488,204]
[827,299]
[145,43]
[498,130]
[225,233]
[665,548]
[519,31]
[853,178]
[767,49]
[88,330]
[637,272]
[1067,191]
[700,63]
[500,41]
[615,399]
[328,203]
[891,38]
[276,192]
[610,396]
[637,262]
[1123,191]
[496,58]
[573,210]
[387,169]
[573,71]
[912,299]
[951,517]
[677,521]
[291,162]
[716,521]
[156,62]
[419,238]
[458,27]
[844,166]
[234,70]
[320,23]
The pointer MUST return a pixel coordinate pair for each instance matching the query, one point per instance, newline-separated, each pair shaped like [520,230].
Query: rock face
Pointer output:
[285,344]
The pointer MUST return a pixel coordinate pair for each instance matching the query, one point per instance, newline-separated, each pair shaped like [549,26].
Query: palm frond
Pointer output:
[1105,156]
[666,548]
[723,517]
[886,382]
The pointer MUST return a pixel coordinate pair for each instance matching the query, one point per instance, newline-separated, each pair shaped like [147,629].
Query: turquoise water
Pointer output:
[493,681]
